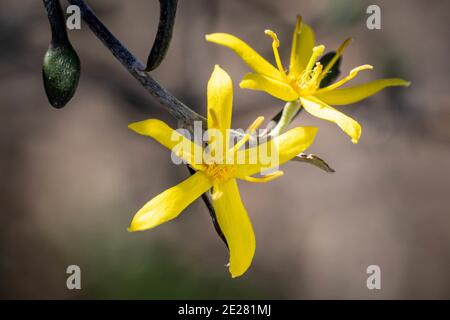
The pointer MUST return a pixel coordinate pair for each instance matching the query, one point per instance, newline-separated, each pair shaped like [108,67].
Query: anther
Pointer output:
[275,45]
[317,52]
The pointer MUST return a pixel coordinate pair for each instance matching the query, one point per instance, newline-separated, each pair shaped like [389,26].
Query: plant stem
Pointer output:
[168,10]
[57,22]
[184,115]
[290,111]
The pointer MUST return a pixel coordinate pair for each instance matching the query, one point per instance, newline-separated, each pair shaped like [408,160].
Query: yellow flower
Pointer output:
[302,81]
[220,176]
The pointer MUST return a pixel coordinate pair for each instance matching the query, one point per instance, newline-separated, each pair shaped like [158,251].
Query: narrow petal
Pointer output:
[237,228]
[278,89]
[253,59]
[171,139]
[322,110]
[302,45]
[275,152]
[220,100]
[357,93]
[169,204]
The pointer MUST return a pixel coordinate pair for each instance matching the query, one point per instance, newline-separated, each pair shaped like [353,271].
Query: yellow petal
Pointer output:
[236,226]
[360,92]
[253,59]
[275,152]
[322,110]
[169,204]
[278,89]
[220,100]
[302,45]
[171,139]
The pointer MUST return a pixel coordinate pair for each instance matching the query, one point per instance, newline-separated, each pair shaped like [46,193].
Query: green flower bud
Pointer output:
[61,72]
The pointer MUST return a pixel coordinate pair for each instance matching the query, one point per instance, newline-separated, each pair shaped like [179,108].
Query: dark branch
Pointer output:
[168,10]
[176,108]
[57,21]
[212,213]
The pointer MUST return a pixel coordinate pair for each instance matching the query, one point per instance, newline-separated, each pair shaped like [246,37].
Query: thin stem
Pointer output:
[136,68]
[207,200]
[168,11]
[57,21]
[288,114]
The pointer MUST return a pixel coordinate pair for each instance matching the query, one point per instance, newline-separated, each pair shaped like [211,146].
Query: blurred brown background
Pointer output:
[72,179]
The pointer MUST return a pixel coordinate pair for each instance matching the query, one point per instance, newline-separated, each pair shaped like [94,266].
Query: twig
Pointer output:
[168,10]
[184,115]
[57,21]
[206,199]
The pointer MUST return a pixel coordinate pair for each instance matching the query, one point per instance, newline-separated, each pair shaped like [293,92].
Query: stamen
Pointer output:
[253,127]
[351,75]
[214,118]
[298,24]
[316,72]
[275,45]
[309,82]
[297,31]
[264,179]
[338,53]
[216,192]
[317,52]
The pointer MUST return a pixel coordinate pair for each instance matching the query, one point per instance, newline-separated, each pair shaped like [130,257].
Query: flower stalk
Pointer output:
[168,10]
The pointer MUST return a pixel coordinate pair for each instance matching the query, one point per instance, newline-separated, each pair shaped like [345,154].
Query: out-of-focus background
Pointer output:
[71,179]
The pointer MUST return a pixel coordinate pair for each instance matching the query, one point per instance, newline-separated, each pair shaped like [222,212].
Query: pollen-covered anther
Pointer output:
[316,53]
[274,37]
[310,82]
[275,45]
[316,72]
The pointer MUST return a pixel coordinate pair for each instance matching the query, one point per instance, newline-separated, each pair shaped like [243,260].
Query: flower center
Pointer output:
[309,80]
[219,173]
